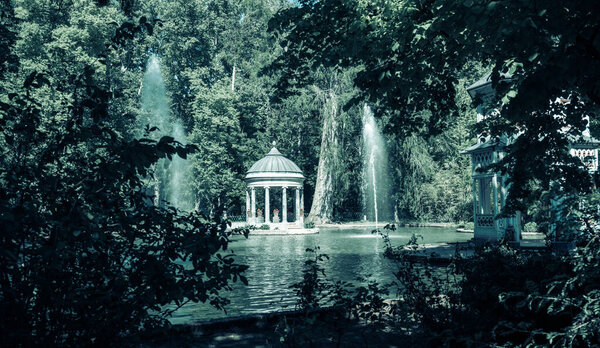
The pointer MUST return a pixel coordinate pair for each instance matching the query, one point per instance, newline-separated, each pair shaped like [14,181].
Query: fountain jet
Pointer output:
[169,184]
[375,171]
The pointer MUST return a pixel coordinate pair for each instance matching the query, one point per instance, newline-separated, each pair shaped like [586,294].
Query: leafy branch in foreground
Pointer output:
[340,312]
[503,296]
[85,258]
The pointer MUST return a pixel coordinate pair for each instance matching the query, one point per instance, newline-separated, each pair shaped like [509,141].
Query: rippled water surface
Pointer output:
[276,263]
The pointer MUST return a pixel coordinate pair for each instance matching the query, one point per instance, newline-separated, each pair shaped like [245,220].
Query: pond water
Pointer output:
[276,263]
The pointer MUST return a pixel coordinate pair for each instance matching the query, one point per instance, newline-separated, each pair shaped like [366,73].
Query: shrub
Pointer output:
[264,227]
[332,309]
[85,257]
[309,224]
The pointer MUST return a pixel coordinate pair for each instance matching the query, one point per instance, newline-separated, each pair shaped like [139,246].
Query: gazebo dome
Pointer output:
[274,170]
[274,162]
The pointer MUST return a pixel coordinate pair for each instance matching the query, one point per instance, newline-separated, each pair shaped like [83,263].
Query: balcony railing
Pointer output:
[485,220]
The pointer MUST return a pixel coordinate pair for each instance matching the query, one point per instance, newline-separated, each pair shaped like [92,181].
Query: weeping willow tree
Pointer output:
[337,184]
[414,166]
[322,205]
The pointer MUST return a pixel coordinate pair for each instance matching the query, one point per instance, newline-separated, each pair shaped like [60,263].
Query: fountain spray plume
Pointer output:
[375,170]
[169,176]
[372,163]
[180,194]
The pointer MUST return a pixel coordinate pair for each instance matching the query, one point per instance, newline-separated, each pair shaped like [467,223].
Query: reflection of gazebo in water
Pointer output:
[274,171]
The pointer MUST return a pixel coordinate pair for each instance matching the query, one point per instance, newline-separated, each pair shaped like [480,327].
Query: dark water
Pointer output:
[276,263]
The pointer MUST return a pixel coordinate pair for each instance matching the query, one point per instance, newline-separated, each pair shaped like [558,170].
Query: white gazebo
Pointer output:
[274,170]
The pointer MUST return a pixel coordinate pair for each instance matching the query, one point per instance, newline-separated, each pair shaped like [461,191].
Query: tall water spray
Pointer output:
[169,176]
[376,187]
[180,193]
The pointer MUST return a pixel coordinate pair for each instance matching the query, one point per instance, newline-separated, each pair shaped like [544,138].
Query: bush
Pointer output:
[530,227]
[85,257]
[497,296]
[309,224]
[469,226]
[264,227]
[346,305]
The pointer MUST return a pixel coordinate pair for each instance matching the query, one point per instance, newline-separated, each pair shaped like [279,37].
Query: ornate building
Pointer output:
[490,187]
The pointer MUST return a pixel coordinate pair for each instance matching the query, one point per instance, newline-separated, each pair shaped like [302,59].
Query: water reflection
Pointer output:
[276,263]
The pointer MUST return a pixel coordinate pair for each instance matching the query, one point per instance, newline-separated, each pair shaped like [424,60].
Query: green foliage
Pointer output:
[427,292]
[500,296]
[426,119]
[85,258]
[264,227]
[217,167]
[7,37]
[312,288]
[413,53]
[300,124]
[336,312]
[385,40]
[309,224]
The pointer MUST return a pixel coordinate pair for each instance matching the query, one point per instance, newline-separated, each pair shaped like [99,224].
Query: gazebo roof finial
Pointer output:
[274,142]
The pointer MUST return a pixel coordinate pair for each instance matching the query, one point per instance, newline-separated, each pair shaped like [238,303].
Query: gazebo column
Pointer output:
[284,205]
[247,207]
[297,206]
[267,219]
[253,205]
[302,207]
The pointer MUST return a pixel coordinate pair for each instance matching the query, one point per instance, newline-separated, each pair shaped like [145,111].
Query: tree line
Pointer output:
[218,60]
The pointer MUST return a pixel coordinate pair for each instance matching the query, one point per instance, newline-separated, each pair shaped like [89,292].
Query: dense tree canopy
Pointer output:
[85,257]
[414,52]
